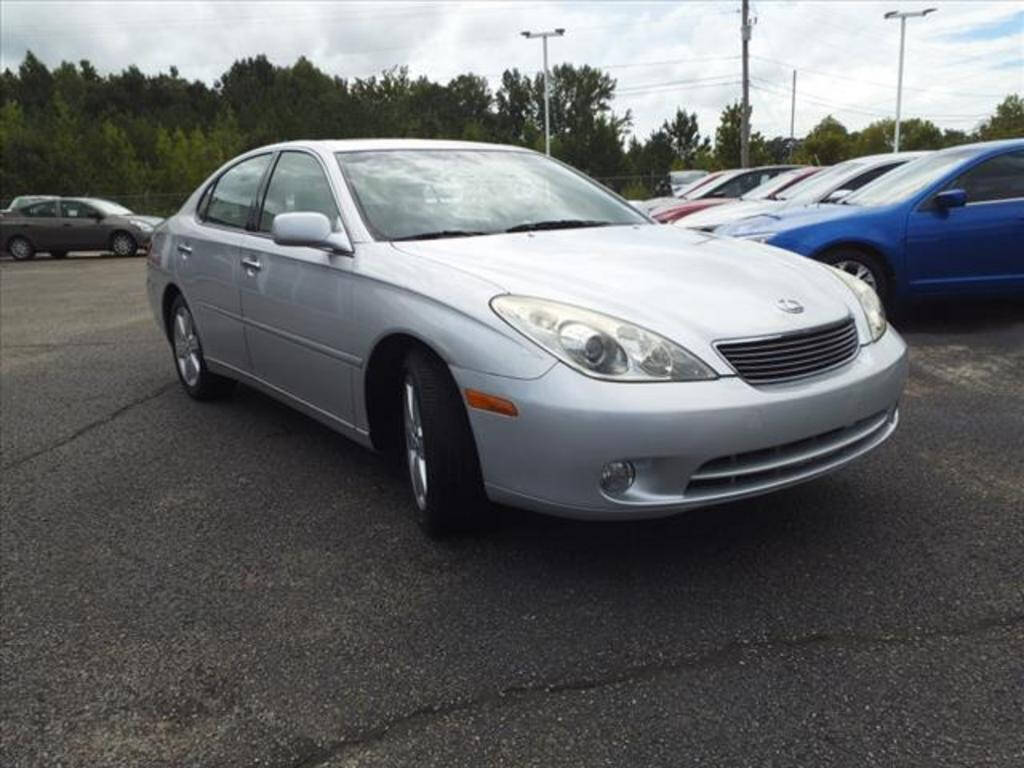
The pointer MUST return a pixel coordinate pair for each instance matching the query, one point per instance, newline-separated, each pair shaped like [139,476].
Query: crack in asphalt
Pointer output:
[725,655]
[91,426]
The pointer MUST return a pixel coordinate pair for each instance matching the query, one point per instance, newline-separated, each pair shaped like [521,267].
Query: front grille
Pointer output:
[761,470]
[791,356]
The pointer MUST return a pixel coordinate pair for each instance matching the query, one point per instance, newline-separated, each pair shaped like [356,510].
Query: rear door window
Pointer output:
[46,209]
[235,192]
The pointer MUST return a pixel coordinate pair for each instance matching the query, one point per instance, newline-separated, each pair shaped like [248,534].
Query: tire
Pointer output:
[21,249]
[863,265]
[187,352]
[58,254]
[123,244]
[442,465]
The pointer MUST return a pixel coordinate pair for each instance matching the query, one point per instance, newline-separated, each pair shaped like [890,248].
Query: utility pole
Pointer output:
[745,117]
[902,16]
[547,94]
[792,114]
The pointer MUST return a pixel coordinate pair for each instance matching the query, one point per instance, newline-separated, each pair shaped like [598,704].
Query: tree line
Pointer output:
[148,140]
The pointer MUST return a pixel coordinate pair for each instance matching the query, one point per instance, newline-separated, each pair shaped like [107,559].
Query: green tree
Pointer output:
[686,139]
[1007,122]
[827,143]
[727,140]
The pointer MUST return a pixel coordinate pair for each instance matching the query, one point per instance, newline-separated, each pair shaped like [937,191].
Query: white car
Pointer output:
[829,185]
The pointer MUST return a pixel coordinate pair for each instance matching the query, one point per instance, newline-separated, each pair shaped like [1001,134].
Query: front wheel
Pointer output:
[441,458]
[195,377]
[863,266]
[21,249]
[123,244]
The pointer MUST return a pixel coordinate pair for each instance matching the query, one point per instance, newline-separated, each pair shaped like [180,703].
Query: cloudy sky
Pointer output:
[961,60]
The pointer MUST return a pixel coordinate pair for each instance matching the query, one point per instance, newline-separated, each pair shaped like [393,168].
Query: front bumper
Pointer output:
[693,444]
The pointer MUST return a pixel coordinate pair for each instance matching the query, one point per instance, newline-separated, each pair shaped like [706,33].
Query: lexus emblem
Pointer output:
[791,306]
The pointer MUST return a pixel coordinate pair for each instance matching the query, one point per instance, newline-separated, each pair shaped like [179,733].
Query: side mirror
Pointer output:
[951,198]
[309,229]
[838,195]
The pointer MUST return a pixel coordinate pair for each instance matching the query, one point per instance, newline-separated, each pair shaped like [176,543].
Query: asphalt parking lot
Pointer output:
[233,584]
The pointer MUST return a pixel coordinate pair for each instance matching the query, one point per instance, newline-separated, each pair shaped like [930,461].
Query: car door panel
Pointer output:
[40,223]
[206,260]
[977,245]
[296,308]
[81,228]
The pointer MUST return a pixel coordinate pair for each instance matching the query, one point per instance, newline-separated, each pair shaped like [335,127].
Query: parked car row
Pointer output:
[890,219]
[60,225]
[948,222]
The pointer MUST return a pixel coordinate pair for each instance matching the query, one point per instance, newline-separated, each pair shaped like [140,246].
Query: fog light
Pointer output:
[617,476]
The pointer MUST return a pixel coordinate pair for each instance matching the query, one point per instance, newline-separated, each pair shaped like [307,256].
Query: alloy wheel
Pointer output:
[415,454]
[20,249]
[123,245]
[186,347]
[859,270]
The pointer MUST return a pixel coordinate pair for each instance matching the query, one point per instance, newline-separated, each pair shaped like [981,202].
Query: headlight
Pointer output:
[869,302]
[598,345]
[144,226]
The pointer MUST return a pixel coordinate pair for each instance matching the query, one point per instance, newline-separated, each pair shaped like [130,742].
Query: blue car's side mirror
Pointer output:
[951,198]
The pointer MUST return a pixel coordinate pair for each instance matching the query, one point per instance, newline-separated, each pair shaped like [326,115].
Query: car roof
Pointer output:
[362,145]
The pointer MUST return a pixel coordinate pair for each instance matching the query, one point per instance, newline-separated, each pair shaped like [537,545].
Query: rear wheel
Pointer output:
[123,244]
[195,377]
[21,249]
[863,266]
[440,453]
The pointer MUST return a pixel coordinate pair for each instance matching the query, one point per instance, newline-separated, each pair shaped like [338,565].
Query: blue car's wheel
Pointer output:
[863,266]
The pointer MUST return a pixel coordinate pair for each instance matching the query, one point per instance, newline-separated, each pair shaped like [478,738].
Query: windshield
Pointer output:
[821,184]
[410,194]
[908,179]
[768,189]
[108,208]
[708,184]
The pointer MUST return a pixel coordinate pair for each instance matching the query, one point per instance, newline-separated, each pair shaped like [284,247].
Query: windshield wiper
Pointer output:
[441,233]
[534,226]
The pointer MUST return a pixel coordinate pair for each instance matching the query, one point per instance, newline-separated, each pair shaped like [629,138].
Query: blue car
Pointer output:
[949,223]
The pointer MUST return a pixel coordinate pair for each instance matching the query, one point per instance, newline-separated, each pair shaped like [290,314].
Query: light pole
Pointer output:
[902,16]
[547,120]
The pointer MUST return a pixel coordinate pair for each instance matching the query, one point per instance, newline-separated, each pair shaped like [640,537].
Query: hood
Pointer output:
[724,214]
[688,286]
[789,218]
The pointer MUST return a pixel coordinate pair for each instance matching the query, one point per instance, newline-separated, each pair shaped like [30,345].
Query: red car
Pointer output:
[720,188]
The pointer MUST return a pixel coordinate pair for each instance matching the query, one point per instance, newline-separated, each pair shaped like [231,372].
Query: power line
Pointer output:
[767,87]
[790,65]
[647,86]
[618,95]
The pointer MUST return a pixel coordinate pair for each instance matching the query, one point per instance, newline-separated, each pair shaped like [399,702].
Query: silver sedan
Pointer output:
[518,334]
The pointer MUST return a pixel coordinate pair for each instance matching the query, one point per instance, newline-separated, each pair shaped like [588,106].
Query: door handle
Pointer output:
[253,265]
[184,250]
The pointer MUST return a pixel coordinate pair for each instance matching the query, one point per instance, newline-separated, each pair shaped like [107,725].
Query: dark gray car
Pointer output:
[60,225]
